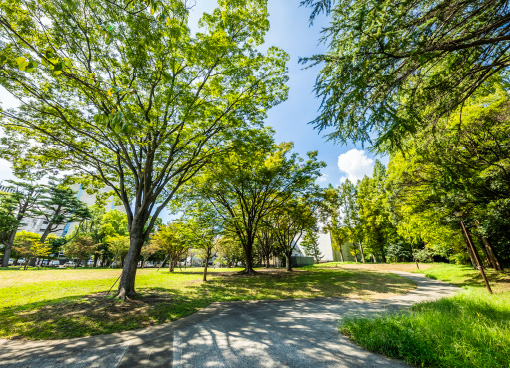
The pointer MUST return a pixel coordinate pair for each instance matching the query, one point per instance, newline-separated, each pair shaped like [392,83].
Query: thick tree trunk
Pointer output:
[383,256]
[205,269]
[248,247]
[362,253]
[127,279]
[96,257]
[171,264]
[267,261]
[288,258]
[341,255]
[373,258]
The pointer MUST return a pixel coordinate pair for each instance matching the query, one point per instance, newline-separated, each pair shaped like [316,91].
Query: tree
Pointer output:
[349,208]
[81,247]
[148,249]
[119,246]
[291,220]
[254,180]
[392,67]
[171,240]
[229,250]
[376,226]
[17,205]
[202,226]
[28,245]
[458,166]
[60,205]
[310,244]
[130,98]
[93,227]
[265,242]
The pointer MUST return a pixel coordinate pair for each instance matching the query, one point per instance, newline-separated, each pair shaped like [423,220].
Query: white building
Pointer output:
[39,225]
[326,248]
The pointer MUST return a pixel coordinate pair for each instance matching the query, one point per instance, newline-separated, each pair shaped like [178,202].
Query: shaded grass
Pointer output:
[471,329]
[53,304]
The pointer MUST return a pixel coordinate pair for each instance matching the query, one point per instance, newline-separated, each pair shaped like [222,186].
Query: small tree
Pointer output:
[81,247]
[119,245]
[27,245]
[169,239]
[148,249]
[310,245]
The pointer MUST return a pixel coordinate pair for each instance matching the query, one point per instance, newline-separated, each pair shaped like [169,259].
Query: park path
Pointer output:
[276,333]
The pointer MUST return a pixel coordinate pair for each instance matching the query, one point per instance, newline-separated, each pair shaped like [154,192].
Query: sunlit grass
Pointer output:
[42,304]
[471,329]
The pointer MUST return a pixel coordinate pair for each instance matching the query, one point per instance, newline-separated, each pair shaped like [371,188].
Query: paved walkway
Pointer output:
[280,333]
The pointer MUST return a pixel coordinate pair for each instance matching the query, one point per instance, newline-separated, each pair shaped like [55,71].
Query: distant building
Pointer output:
[326,248]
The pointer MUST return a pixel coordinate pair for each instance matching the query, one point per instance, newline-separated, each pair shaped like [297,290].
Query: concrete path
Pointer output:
[279,333]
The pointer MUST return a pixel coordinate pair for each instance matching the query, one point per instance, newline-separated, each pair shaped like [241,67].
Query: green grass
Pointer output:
[471,329]
[60,303]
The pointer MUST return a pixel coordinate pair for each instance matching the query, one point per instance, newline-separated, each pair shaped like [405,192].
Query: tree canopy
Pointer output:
[393,67]
[129,97]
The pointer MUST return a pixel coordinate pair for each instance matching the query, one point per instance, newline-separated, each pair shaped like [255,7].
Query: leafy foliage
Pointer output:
[393,67]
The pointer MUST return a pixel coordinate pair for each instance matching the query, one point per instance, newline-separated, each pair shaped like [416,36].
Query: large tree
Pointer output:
[128,96]
[253,181]
[392,66]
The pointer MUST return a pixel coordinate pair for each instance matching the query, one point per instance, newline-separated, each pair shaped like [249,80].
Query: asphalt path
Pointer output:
[295,333]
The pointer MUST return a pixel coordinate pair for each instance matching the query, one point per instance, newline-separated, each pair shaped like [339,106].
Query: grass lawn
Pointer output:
[63,303]
[471,329]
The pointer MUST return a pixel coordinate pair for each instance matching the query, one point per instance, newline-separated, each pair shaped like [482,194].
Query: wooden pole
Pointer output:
[477,258]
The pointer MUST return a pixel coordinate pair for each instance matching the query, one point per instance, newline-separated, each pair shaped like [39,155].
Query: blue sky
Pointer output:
[291,32]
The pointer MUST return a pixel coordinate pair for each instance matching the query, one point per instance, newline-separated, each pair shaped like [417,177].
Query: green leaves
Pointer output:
[394,67]
[26,64]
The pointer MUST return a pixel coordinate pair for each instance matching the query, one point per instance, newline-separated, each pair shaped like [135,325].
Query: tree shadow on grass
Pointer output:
[499,281]
[97,314]
[101,314]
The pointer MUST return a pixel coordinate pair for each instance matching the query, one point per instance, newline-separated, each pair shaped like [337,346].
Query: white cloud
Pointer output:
[356,164]
[323,178]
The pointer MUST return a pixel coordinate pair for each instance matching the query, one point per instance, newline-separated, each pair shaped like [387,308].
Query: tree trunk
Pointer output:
[267,261]
[341,255]
[171,264]
[470,253]
[383,256]
[96,258]
[205,267]
[7,249]
[477,258]
[355,255]
[361,251]
[127,279]
[288,258]
[248,247]
[492,254]
[412,250]
[374,259]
